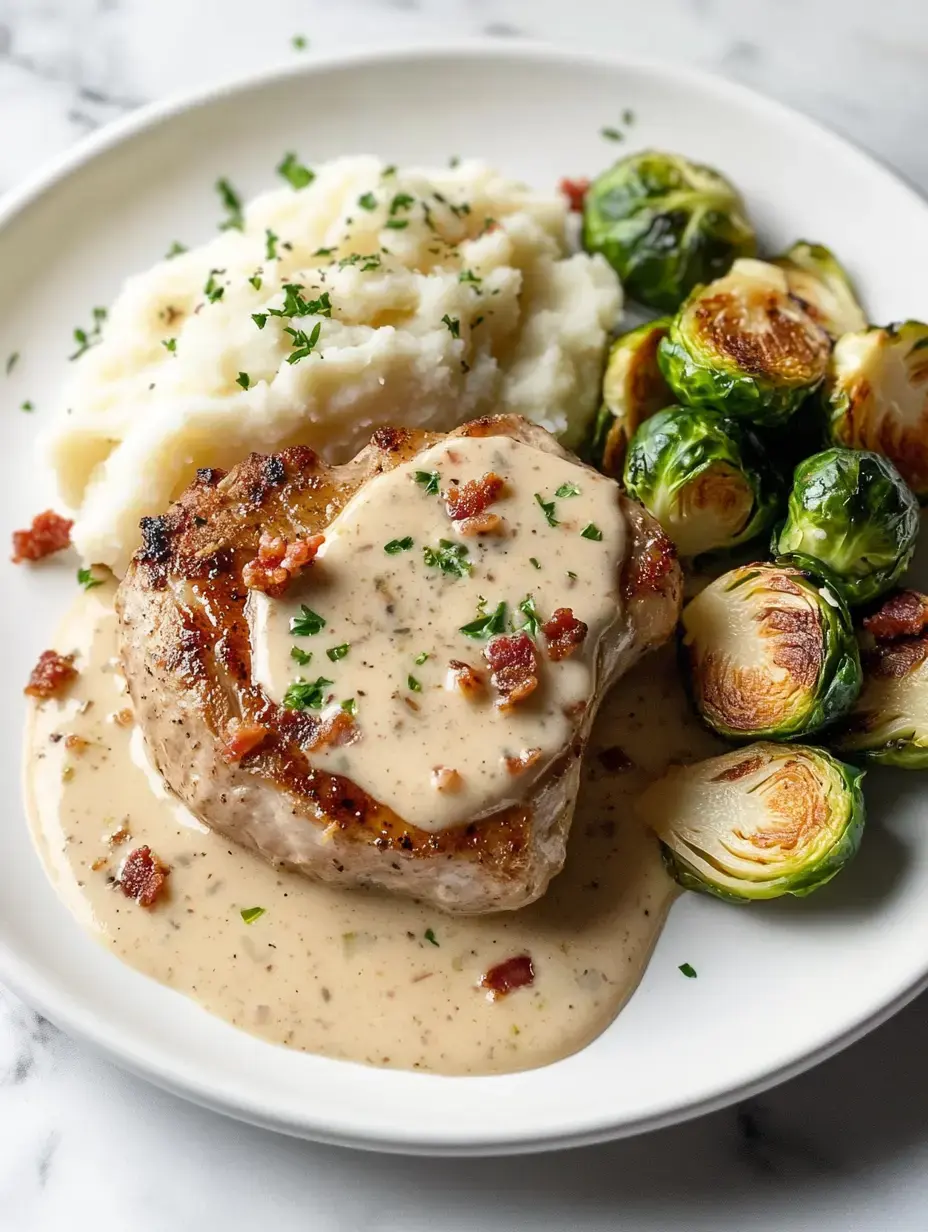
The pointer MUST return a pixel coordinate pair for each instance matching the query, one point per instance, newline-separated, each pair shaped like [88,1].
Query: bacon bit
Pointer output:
[49,532]
[615,760]
[143,877]
[240,740]
[123,718]
[468,499]
[76,744]
[646,570]
[563,633]
[119,835]
[51,675]
[466,679]
[338,729]
[513,662]
[506,976]
[526,759]
[902,615]
[444,778]
[278,562]
[481,524]
[99,862]
[575,191]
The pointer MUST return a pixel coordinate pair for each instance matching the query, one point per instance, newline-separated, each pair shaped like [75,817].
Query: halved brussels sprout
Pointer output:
[665,224]
[745,346]
[767,820]
[818,280]
[770,652]
[704,478]
[634,389]
[889,723]
[876,397]
[850,517]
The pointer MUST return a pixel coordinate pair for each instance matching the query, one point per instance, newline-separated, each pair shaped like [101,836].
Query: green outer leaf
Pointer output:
[700,378]
[675,447]
[665,225]
[839,679]
[818,279]
[850,518]
[850,799]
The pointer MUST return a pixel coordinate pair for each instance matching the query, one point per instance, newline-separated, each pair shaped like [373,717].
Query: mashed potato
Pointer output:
[417,298]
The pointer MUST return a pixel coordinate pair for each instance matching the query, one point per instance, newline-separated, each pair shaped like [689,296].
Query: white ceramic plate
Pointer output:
[779,986]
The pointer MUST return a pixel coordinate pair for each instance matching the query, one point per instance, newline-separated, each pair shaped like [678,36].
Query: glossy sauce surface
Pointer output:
[353,974]
[396,597]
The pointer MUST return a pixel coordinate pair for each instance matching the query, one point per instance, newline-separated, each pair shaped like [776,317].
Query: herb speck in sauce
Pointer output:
[308,623]
[592,531]
[413,684]
[688,971]
[430,937]
[547,508]
[429,480]
[86,579]
[338,652]
[250,914]
[302,656]
[398,545]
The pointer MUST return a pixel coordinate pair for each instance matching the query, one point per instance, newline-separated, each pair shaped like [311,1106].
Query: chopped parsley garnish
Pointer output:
[421,658]
[338,652]
[86,338]
[350,706]
[243,379]
[169,344]
[459,210]
[398,545]
[454,325]
[688,971]
[175,250]
[323,252]
[486,625]
[255,281]
[308,623]
[397,224]
[232,204]
[413,684]
[372,263]
[402,201]
[306,695]
[611,134]
[475,322]
[428,480]
[299,42]
[628,116]
[368,201]
[11,362]
[27,406]
[534,561]
[250,914]
[567,489]
[529,611]
[294,172]
[303,345]
[487,224]
[296,306]
[547,508]
[571,575]
[469,276]
[450,558]
[86,579]
[302,656]
[270,240]
[430,937]
[388,171]
[454,161]
[213,291]
[592,531]
[260,319]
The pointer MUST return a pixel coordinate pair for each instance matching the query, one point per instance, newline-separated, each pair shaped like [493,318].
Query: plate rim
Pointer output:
[65,1010]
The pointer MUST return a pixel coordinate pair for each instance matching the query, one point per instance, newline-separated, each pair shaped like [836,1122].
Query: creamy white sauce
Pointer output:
[353,974]
[393,624]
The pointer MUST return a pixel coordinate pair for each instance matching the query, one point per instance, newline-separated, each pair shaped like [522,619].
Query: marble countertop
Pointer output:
[844,1147]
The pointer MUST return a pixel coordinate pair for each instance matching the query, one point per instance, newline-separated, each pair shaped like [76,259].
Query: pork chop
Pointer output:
[268,771]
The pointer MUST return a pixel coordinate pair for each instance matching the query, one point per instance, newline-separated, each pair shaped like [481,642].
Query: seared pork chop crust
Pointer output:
[184,642]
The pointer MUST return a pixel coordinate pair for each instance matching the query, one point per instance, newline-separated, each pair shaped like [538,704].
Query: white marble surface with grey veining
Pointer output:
[83,1145]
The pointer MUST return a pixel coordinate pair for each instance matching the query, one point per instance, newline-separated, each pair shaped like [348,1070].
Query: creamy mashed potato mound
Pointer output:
[438,296]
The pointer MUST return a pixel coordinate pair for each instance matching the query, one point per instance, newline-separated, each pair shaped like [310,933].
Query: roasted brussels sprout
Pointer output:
[704,477]
[850,517]
[745,346]
[767,820]
[876,397]
[818,280]
[665,224]
[889,723]
[633,390]
[770,652]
